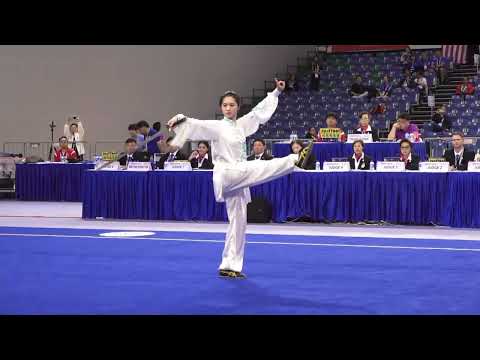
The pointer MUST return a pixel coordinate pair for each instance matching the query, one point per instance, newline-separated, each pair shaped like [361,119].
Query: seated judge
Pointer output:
[296,147]
[311,134]
[199,159]
[458,157]
[359,160]
[131,153]
[364,126]
[331,121]
[403,129]
[65,153]
[412,161]
[259,151]
[169,156]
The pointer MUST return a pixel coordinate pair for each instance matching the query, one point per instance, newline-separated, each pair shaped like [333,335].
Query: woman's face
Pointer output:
[296,148]
[73,129]
[312,131]
[229,108]
[202,149]
[364,120]
[358,148]
[405,149]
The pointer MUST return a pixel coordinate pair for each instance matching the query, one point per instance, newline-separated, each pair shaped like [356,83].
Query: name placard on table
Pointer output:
[114,166]
[473,166]
[178,166]
[389,166]
[336,166]
[366,138]
[139,166]
[434,166]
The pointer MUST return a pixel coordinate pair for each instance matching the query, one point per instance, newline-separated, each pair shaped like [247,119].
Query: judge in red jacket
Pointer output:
[465,88]
[64,151]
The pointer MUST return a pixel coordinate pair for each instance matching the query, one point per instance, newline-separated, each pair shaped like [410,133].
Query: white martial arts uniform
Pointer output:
[232,174]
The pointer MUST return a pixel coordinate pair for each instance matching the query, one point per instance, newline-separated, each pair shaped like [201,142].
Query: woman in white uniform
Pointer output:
[232,174]
[75,133]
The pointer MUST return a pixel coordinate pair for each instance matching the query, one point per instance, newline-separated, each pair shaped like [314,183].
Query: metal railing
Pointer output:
[37,148]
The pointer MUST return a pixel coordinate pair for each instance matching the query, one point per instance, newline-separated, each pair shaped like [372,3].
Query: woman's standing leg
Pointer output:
[232,257]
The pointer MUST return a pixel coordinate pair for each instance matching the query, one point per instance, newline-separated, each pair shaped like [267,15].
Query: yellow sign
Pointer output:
[436,159]
[109,155]
[330,133]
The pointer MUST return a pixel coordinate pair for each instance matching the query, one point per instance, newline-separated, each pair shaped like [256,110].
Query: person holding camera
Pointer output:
[74,131]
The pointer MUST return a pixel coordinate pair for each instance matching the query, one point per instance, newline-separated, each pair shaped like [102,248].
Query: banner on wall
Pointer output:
[357,48]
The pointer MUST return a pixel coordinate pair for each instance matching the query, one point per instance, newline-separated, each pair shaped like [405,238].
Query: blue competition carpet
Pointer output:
[70,271]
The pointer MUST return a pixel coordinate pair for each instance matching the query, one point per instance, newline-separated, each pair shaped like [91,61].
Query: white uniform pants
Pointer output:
[236,179]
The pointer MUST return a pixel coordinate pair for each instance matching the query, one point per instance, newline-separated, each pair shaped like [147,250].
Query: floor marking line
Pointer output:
[252,242]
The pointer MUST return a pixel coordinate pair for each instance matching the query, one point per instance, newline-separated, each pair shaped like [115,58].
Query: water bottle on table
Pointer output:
[317,166]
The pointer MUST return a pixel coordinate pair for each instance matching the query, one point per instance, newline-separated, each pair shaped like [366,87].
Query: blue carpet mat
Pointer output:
[76,271]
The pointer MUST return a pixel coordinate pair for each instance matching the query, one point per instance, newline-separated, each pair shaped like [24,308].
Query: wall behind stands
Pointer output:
[112,86]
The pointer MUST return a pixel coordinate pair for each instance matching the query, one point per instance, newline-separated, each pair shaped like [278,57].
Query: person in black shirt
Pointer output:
[259,151]
[311,134]
[169,156]
[440,121]
[357,89]
[296,147]
[200,158]
[412,161]
[131,153]
[359,161]
[458,157]
[315,79]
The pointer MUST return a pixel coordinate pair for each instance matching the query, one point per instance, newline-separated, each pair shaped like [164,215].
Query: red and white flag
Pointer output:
[458,53]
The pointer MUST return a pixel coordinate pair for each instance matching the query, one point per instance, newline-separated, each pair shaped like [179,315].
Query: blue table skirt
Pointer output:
[377,151]
[403,198]
[50,181]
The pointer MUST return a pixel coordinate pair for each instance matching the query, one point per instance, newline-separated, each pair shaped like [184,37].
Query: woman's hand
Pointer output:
[193,155]
[280,84]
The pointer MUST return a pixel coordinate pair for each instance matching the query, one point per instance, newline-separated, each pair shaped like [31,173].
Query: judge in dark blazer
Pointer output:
[412,161]
[169,156]
[364,126]
[259,151]
[200,158]
[132,154]
[359,161]
[458,157]
[296,147]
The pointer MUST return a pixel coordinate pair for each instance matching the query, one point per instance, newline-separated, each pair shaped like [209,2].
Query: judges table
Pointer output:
[403,198]
[377,150]
[50,181]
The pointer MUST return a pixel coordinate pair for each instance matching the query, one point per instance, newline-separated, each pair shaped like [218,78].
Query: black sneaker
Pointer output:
[305,155]
[231,274]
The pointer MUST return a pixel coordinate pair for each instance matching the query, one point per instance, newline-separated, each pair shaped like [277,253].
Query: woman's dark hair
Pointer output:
[404,116]
[132,127]
[363,113]
[232,94]
[204,143]
[73,124]
[358,142]
[130,140]
[296,142]
[157,126]
[62,137]
[143,123]
[406,141]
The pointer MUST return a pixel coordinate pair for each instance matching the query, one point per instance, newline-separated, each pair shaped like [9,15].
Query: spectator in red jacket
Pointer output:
[65,153]
[465,88]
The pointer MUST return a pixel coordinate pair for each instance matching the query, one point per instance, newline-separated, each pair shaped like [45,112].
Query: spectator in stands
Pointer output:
[458,157]
[331,122]
[291,83]
[157,126]
[439,64]
[402,129]
[440,121]
[407,80]
[465,88]
[296,147]
[151,138]
[358,90]
[169,156]
[135,134]
[311,134]
[315,79]
[259,151]
[422,84]
[385,89]
[364,126]
[74,131]
[359,160]
[132,154]
[412,161]
[420,63]
[65,153]
[199,159]
[316,63]
[406,58]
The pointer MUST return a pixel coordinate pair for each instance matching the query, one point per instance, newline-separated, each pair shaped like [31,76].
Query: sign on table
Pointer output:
[336,166]
[434,166]
[366,138]
[139,166]
[178,166]
[114,166]
[389,166]
[474,166]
